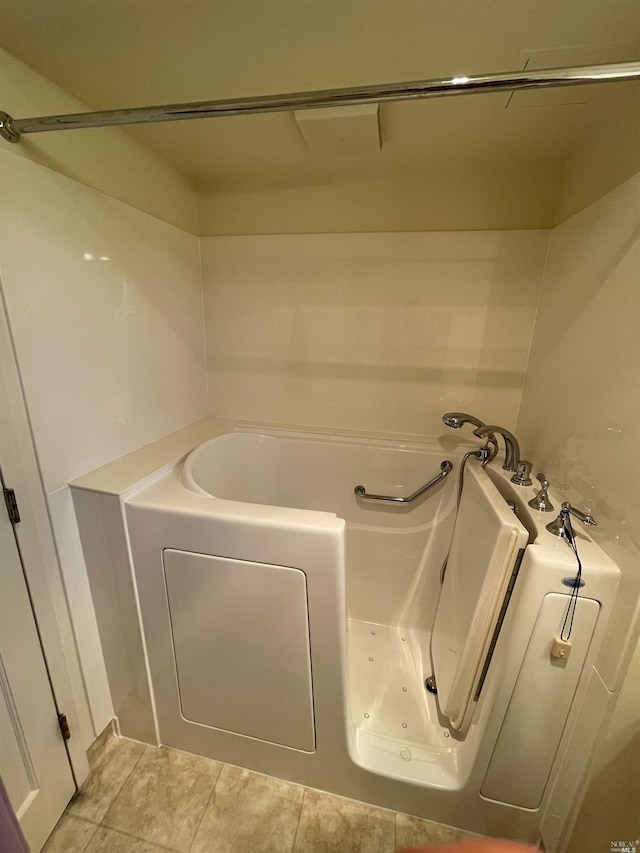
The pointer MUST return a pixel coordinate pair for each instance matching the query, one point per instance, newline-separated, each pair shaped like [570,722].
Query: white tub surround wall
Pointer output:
[580,412]
[104,305]
[580,420]
[379,332]
[106,159]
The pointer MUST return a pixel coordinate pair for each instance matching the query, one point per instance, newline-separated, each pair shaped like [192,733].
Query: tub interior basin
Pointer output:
[314,472]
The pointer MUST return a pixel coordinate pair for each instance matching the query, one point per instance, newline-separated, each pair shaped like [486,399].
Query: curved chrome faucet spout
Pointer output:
[455,420]
[512,452]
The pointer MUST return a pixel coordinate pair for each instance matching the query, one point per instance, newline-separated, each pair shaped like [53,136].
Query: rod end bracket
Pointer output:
[7,130]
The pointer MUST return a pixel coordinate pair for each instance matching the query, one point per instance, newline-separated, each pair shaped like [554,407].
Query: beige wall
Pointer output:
[580,422]
[609,156]
[460,199]
[104,303]
[380,332]
[580,416]
[107,159]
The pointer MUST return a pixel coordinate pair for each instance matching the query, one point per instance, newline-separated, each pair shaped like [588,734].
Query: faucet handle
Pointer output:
[541,501]
[523,470]
[557,527]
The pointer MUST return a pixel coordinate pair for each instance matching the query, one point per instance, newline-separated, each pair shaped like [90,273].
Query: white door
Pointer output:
[33,760]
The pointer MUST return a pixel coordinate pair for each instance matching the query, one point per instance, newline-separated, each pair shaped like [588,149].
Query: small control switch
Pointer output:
[560,649]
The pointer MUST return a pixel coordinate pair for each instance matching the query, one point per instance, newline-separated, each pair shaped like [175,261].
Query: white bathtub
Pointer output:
[384,544]
[286,623]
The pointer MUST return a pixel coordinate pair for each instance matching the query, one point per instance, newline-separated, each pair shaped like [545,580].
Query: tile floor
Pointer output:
[139,799]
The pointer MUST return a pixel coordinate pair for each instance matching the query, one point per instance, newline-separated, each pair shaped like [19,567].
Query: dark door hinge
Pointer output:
[12,505]
[64,726]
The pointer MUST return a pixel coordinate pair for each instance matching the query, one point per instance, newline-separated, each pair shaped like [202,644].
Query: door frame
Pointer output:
[40,558]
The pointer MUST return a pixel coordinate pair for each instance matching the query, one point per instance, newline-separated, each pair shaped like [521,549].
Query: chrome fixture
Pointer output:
[12,128]
[522,476]
[541,501]
[512,448]
[456,420]
[446,468]
[430,684]
[557,527]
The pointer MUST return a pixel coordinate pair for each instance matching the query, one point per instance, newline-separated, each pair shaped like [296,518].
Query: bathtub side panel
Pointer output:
[316,552]
[104,545]
[240,634]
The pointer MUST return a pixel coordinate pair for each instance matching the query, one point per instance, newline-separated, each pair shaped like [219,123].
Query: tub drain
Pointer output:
[405,754]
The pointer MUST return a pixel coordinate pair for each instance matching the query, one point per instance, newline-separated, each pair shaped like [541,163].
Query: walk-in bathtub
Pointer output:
[286,621]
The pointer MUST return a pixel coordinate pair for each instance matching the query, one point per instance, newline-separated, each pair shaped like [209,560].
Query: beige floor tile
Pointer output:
[71,835]
[164,798]
[329,823]
[116,761]
[109,841]
[100,745]
[414,832]
[249,812]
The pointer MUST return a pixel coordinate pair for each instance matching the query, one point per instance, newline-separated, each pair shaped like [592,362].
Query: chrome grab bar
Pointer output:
[446,468]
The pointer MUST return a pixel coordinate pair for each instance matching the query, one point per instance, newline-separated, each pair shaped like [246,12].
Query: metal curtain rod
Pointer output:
[11,129]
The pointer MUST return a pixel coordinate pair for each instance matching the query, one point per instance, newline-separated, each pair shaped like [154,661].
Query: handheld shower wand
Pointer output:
[456,420]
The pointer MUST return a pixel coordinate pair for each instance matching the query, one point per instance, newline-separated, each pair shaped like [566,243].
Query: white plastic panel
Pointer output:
[539,706]
[241,643]
[569,773]
[484,549]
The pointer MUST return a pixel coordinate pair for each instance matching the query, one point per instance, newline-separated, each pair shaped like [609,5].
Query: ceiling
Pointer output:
[124,53]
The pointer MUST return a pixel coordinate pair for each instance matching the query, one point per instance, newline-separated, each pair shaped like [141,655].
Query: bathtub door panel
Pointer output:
[485,545]
[540,704]
[240,635]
